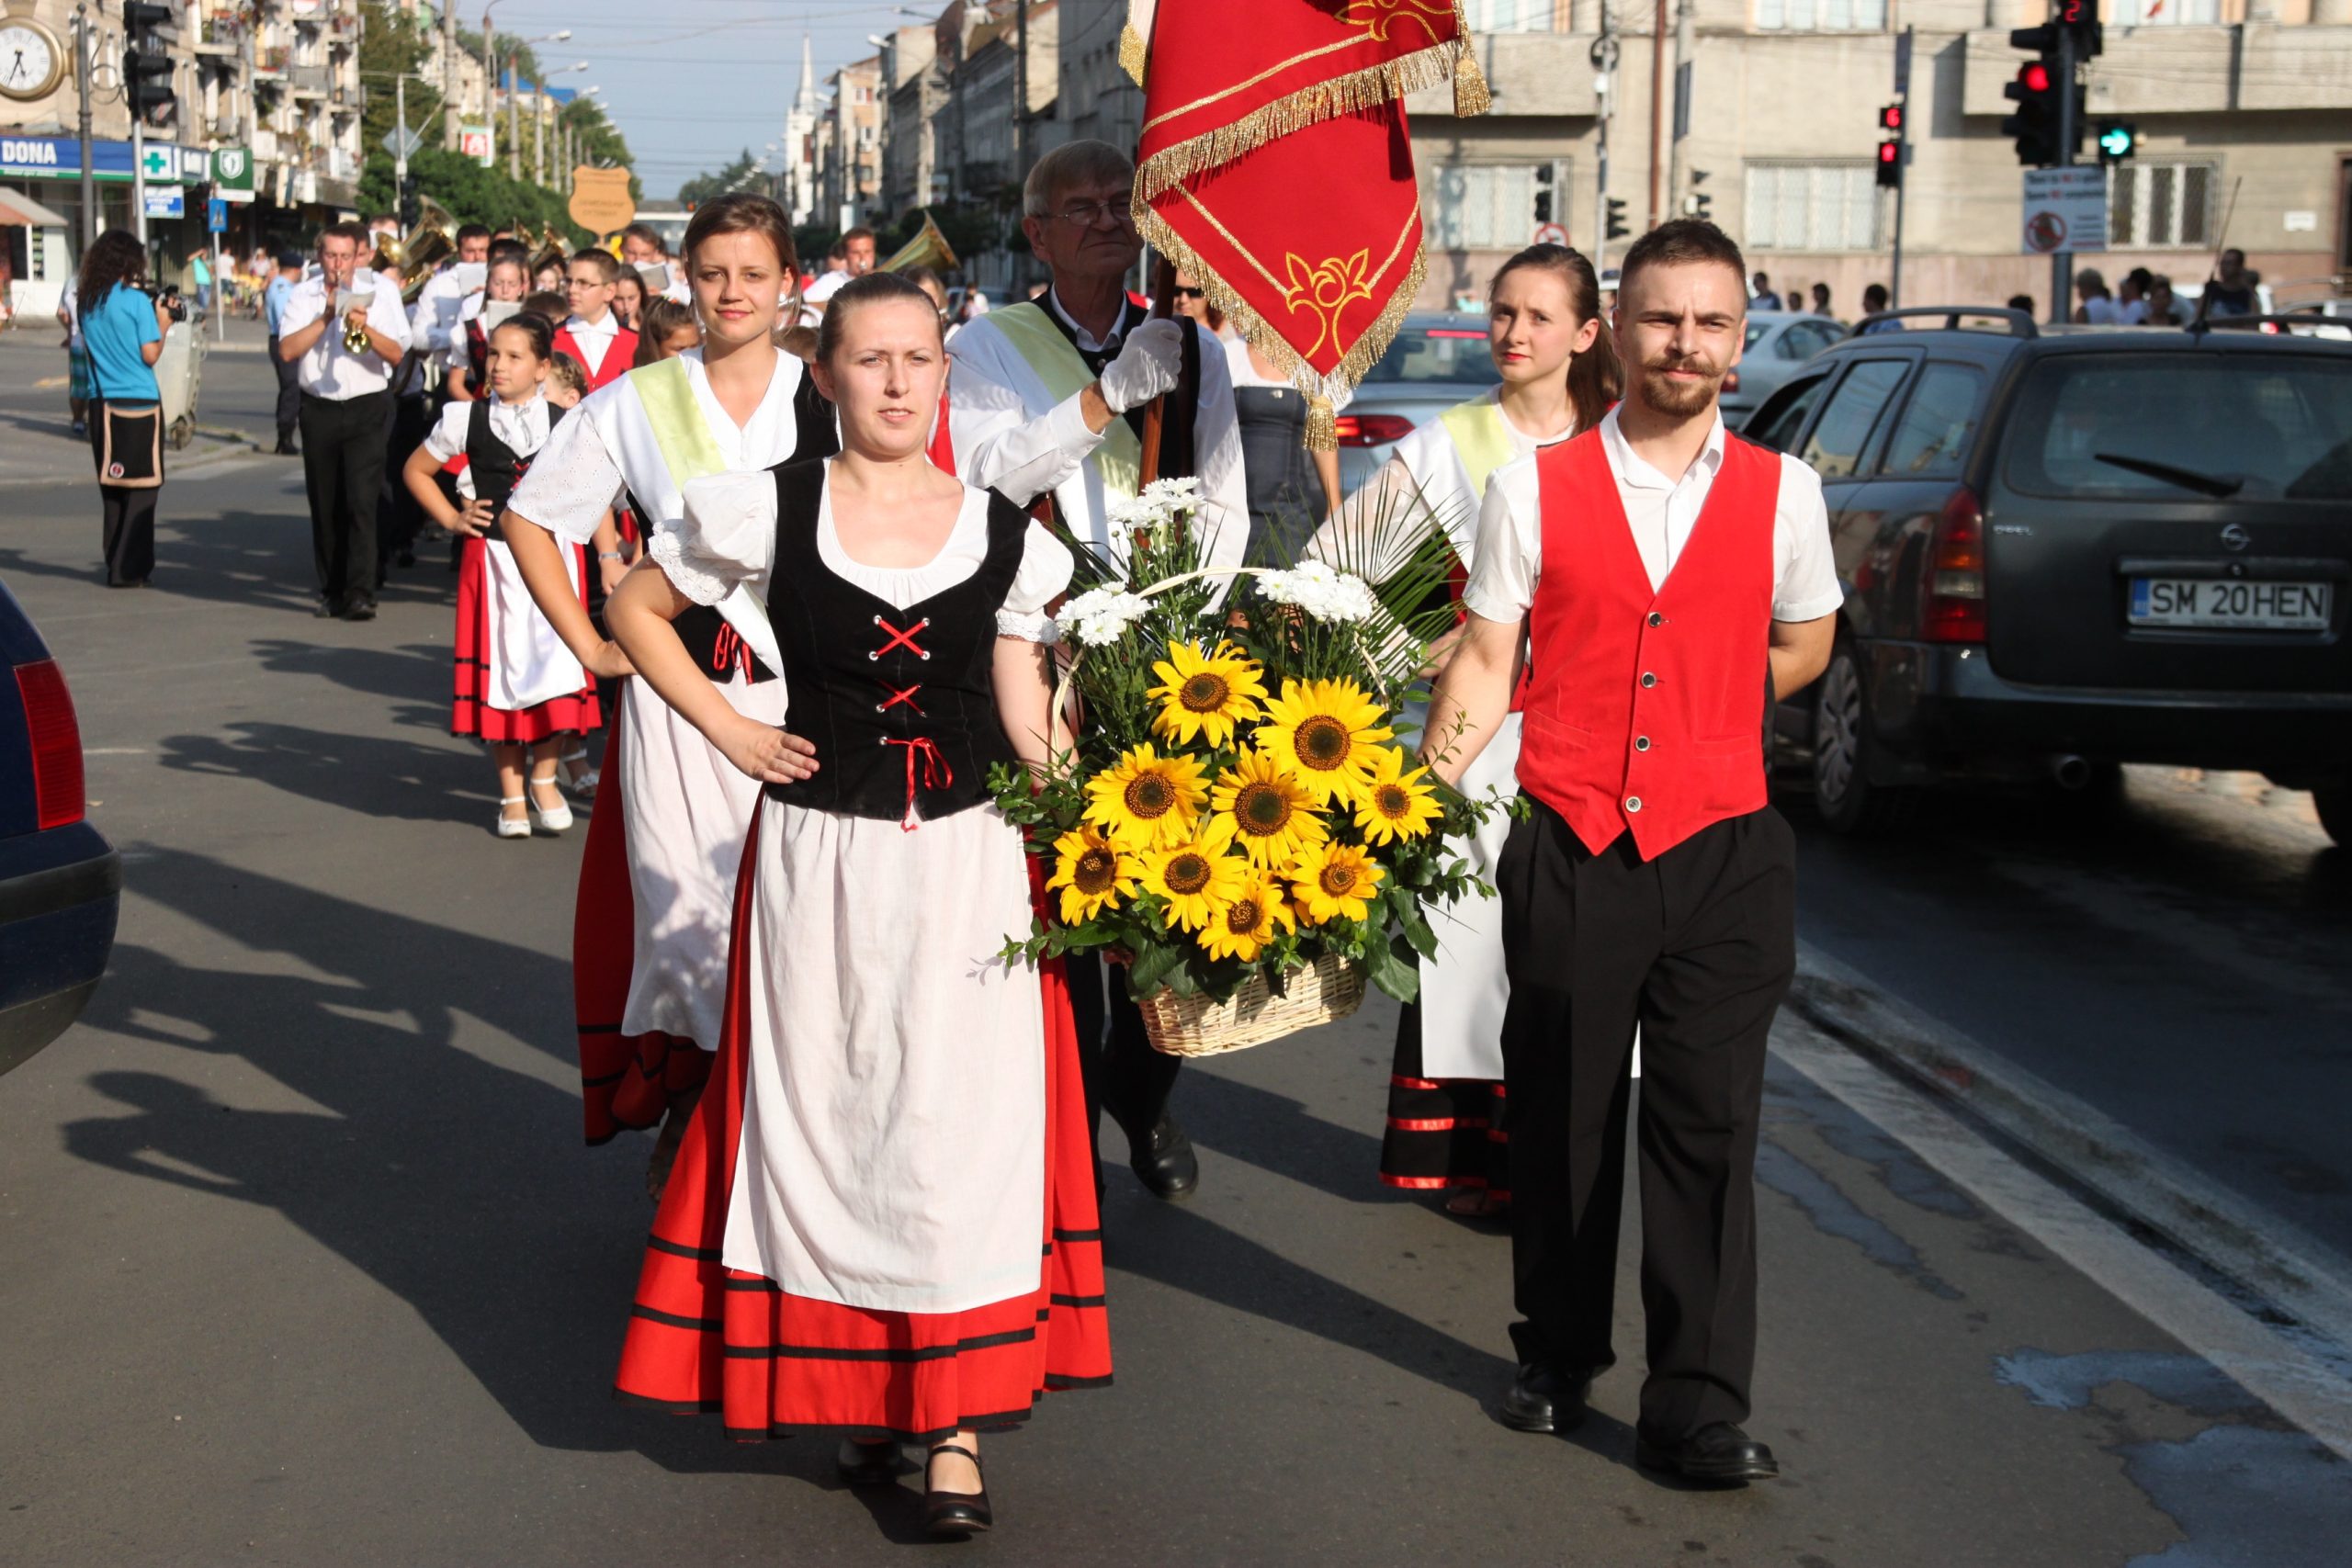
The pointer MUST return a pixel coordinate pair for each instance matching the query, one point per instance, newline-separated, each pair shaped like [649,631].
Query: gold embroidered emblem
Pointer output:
[1326,289]
[1377,17]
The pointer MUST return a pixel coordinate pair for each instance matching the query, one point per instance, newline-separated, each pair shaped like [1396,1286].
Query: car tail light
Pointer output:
[1731,380]
[1953,603]
[57,743]
[1372,429]
[1458,332]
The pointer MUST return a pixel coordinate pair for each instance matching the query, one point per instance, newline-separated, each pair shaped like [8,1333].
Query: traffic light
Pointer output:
[412,209]
[1891,118]
[2080,18]
[1890,163]
[1698,203]
[1543,193]
[2117,141]
[146,66]
[1617,228]
[2041,82]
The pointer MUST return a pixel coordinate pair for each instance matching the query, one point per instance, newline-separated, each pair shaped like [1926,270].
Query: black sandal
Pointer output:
[956,1513]
[869,1464]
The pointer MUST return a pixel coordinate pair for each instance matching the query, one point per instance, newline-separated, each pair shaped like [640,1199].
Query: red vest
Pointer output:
[618,358]
[1645,709]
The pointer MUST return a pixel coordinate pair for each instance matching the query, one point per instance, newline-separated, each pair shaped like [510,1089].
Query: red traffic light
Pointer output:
[1891,117]
[1889,152]
[2034,77]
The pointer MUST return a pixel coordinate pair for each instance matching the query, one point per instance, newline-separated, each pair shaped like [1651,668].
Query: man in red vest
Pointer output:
[1664,579]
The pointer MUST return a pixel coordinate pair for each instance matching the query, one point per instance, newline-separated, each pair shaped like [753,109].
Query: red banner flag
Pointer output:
[1275,165]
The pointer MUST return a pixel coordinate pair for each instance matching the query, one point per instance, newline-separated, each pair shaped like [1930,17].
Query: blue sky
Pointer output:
[692,83]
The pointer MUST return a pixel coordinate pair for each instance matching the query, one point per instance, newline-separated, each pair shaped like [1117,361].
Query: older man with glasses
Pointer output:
[1046,399]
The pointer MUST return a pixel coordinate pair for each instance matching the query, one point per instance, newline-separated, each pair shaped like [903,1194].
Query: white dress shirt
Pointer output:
[594,340]
[330,370]
[522,426]
[1011,437]
[1661,513]
[435,321]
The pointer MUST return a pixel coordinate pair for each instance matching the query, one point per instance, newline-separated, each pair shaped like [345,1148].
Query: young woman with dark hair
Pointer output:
[883,1223]
[1560,375]
[123,334]
[518,687]
[657,878]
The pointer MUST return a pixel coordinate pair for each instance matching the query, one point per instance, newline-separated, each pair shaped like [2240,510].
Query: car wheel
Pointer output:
[2335,805]
[1843,794]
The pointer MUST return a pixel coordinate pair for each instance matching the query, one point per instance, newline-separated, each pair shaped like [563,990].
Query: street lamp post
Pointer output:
[540,123]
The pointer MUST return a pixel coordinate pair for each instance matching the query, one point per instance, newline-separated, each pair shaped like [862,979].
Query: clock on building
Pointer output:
[32,59]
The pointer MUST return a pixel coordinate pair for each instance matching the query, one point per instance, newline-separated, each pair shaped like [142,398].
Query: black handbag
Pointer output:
[130,452]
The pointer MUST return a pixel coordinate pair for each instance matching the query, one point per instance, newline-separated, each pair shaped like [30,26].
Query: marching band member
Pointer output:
[594,335]
[1559,375]
[1047,400]
[883,1223]
[656,879]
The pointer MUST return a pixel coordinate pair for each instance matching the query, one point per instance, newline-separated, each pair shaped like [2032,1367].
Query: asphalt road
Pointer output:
[304,1263]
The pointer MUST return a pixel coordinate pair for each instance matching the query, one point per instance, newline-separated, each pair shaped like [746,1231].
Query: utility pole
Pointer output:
[1604,87]
[1657,106]
[451,112]
[82,92]
[540,138]
[514,125]
[1686,28]
[399,142]
[139,178]
[1020,87]
[1902,160]
[2061,262]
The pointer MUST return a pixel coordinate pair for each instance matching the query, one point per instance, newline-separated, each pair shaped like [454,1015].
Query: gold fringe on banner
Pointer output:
[1322,424]
[1358,90]
[1470,93]
[1260,334]
[1133,53]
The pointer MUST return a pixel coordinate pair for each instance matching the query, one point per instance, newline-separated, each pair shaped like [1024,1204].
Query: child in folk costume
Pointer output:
[883,1220]
[469,360]
[517,687]
[606,348]
[1560,375]
[657,878]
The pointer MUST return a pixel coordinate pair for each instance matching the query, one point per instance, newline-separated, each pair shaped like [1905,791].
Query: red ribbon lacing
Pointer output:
[936,773]
[728,649]
[905,639]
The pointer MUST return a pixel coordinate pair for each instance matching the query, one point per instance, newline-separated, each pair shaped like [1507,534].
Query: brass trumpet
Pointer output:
[355,338]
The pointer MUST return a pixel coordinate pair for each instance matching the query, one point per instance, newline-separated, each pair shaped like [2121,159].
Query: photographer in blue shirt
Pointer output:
[122,330]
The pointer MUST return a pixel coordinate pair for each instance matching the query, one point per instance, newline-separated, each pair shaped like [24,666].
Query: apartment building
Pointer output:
[2243,110]
[849,145]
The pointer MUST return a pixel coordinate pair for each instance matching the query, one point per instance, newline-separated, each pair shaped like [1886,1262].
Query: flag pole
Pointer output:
[1163,305]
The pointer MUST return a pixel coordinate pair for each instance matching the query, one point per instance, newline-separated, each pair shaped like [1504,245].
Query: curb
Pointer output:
[2293,1271]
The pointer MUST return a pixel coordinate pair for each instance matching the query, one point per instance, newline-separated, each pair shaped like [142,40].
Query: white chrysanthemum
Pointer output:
[1322,592]
[1173,495]
[1101,616]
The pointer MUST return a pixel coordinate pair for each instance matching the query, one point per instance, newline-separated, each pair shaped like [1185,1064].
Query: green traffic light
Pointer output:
[2115,142]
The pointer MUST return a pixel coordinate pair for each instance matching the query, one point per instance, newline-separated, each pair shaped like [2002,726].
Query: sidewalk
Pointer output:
[37,445]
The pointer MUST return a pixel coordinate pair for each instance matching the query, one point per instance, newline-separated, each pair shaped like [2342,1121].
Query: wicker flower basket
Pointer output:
[1326,989]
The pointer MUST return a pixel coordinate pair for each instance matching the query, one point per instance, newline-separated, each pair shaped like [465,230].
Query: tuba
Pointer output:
[928,248]
[431,242]
[553,252]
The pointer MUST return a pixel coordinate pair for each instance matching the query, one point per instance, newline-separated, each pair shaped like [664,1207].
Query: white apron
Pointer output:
[528,663]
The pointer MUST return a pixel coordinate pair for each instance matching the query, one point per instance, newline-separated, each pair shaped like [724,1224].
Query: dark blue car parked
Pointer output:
[60,883]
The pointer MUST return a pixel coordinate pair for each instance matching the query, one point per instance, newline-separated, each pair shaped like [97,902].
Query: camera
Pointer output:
[168,296]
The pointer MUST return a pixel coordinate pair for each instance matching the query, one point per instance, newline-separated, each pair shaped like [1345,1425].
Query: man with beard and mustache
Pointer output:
[1665,580]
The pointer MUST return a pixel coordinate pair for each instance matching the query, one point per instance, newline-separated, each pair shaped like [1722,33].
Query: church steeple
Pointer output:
[804,100]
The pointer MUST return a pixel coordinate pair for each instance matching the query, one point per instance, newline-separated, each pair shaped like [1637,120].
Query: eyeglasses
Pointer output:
[1086,214]
[1185,292]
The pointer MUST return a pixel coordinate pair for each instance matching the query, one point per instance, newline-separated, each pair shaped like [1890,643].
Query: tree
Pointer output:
[393,43]
[741,174]
[601,145]
[470,193]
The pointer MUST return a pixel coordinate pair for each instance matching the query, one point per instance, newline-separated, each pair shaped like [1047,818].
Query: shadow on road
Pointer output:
[374,775]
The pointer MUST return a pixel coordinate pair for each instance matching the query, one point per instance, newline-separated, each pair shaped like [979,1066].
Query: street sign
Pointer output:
[166,201]
[600,199]
[216,215]
[2065,209]
[401,142]
[159,163]
[473,141]
[1550,234]
[233,173]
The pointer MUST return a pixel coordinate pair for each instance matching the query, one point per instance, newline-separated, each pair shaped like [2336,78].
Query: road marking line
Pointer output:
[2271,1255]
[2270,1363]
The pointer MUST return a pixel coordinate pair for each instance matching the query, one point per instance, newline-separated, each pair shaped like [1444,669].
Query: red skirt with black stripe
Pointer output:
[704,1338]
[1442,1133]
[469,711]
[626,1080]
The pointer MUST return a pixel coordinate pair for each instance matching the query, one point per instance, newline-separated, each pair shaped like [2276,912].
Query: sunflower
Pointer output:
[1334,880]
[1326,732]
[1197,877]
[1247,924]
[1147,801]
[1274,817]
[1092,873]
[1394,803]
[1205,694]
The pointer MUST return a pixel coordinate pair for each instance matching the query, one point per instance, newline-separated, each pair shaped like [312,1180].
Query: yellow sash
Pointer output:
[1480,435]
[678,428]
[1042,346]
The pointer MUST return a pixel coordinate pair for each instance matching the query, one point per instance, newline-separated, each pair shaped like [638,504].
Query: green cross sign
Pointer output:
[158,163]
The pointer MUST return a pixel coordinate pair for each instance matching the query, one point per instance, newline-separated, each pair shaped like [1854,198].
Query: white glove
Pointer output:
[1147,365]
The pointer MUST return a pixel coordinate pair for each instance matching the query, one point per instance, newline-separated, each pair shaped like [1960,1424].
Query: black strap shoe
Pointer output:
[957,1513]
[1545,1398]
[1164,1162]
[869,1464]
[1719,1454]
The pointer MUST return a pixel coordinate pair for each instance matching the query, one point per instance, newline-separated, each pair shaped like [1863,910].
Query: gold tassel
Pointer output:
[1322,424]
[1132,53]
[1470,93]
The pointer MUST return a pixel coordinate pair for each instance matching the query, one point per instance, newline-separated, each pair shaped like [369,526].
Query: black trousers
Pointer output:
[410,421]
[1124,1075]
[1697,947]
[343,467]
[289,392]
[129,512]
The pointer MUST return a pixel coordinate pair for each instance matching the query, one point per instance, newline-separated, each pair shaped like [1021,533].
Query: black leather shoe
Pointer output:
[285,448]
[1720,1454]
[1545,1398]
[327,609]
[360,610]
[869,1464]
[1164,1162]
[957,1513]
